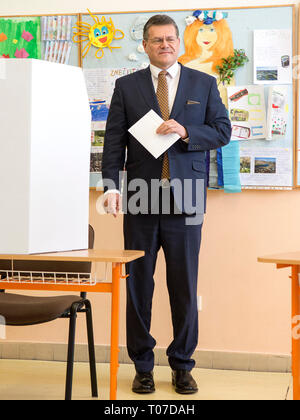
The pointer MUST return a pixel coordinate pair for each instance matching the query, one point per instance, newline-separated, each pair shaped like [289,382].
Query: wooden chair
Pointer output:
[21,310]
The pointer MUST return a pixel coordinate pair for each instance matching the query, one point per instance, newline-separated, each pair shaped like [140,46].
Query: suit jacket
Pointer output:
[197,106]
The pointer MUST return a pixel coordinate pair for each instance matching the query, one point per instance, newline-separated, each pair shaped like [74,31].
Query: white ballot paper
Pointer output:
[144,131]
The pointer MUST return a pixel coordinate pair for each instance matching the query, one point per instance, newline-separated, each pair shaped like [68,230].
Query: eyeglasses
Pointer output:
[158,41]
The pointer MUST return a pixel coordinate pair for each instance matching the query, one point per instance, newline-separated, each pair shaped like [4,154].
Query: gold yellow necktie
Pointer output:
[162,94]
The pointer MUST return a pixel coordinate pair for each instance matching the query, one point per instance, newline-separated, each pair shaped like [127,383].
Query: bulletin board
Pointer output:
[266,157]
[125,56]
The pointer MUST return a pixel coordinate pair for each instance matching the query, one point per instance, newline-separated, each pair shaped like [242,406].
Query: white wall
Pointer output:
[20,7]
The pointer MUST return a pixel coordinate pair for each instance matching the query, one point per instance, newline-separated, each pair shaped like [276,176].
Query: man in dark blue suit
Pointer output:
[190,105]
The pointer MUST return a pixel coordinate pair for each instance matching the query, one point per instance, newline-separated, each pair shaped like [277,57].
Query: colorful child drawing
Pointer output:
[100,35]
[20,37]
[207,39]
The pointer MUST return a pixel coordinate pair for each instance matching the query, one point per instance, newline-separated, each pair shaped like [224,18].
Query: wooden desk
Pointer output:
[291,259]
[117,258]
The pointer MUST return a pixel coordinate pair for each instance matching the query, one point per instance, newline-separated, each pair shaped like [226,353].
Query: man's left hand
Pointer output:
[172,126]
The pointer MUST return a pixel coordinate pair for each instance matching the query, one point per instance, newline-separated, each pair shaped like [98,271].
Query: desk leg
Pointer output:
[114,346]
[295,333]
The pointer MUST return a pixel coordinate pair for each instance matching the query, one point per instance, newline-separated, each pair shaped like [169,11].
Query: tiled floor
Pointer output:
[22,380]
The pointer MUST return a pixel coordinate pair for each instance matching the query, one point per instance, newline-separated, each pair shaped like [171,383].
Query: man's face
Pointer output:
[162,46]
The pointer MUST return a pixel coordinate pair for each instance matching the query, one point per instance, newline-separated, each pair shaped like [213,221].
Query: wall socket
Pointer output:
[199,303]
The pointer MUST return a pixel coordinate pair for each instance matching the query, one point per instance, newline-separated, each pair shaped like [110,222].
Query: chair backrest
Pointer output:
[52,266]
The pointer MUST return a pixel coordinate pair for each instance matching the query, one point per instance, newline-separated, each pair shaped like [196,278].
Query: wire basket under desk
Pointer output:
[47,277]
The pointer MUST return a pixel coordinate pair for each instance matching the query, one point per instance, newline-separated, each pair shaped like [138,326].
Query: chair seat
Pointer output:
[28,310]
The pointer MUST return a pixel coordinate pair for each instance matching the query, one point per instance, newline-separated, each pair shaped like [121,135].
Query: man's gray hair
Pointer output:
[159,20]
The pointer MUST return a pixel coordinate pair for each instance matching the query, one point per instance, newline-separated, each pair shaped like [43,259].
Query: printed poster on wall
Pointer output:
[100,82]
[278,110]
[266,166]
[247,113]
[272,56]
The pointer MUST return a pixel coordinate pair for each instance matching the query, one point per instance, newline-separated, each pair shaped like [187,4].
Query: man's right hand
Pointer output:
[112,203]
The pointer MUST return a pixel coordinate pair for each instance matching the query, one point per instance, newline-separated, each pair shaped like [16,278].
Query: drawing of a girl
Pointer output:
[207,39]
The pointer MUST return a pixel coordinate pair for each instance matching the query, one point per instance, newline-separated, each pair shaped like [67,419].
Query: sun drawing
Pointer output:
[100,35]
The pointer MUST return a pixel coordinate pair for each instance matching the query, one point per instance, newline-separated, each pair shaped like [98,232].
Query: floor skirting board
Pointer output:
[257,362]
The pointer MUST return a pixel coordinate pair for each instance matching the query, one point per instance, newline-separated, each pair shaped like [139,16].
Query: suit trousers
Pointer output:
[181,245]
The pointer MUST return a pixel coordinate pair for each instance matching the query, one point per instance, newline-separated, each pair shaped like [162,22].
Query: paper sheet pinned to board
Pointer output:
[273,56]
[144,131]
[2,68]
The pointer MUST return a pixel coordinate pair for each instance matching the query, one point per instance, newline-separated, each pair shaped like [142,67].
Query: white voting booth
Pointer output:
[45,128]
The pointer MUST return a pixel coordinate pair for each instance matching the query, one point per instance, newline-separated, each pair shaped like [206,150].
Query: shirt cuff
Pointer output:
[186,140]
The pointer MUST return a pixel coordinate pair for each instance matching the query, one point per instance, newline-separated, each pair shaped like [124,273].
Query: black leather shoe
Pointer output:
[183,382]
[143,383]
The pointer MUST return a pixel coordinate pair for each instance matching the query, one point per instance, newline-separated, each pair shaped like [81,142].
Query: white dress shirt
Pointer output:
[173,76]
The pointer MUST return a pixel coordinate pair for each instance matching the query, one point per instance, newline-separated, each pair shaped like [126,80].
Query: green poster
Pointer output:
[20,38]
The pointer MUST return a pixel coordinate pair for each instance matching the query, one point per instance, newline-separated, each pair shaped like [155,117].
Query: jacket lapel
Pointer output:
[181,95]
[145,84]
